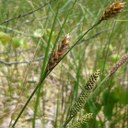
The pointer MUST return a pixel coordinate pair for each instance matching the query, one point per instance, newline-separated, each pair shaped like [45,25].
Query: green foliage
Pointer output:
[120,94]
[108,104]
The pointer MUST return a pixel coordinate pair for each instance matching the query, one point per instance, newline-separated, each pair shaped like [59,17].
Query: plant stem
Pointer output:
[30,97]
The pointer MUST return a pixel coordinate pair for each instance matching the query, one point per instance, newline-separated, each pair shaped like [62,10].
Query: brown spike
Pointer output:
[58,53]
[118,64]
[113,10]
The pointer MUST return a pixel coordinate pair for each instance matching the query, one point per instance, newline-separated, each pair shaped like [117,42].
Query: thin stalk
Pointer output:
[32,94]
[43,68]
[28,13]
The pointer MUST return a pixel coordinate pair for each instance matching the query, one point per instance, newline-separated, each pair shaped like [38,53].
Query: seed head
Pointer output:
[92,80]
[58,53]
[84,94]
[119,63]
[113,10]
[83,120]
[79,103]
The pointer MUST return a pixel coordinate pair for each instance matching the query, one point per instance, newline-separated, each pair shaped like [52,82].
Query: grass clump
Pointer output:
[60,86]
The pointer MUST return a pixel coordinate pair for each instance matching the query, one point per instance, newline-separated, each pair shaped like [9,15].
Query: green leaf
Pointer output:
[108,109]
[109,100]
[122,94]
